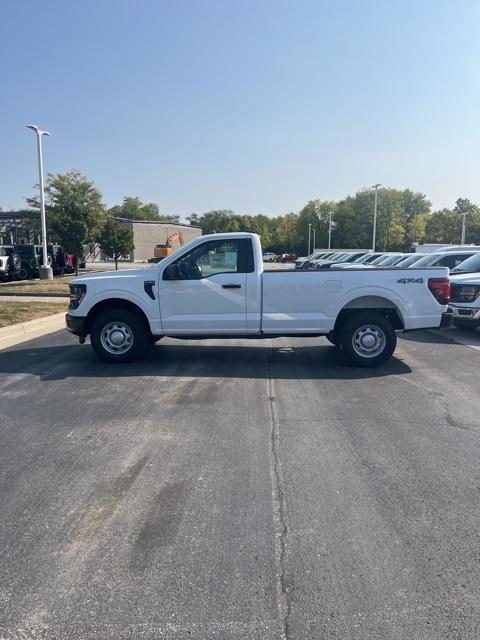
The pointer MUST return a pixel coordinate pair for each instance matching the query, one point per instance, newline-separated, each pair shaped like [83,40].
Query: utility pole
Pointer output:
[313,247]
[329,228]
[375,204]
[45,270]
[463,227]
[309,233]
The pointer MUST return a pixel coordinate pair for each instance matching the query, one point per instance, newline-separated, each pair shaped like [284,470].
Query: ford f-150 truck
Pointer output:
[216,287]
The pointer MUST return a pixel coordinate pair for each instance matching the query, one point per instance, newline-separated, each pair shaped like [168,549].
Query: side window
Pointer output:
[216,256]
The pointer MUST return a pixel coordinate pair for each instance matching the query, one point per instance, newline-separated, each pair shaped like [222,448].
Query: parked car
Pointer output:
[388,259]
[470,265]
[458,247]
[301,263]
[31,257]
[269,257]
[465,299]
[360,263]
[318,262]
[286,257]
[348,259]
[10,263]
[411,258]
[450,259]
[184,297]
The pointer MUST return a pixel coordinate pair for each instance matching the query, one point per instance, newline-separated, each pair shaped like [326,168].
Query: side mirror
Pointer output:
[172,272]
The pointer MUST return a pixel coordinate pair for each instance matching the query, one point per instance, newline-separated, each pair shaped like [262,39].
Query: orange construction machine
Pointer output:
[161,251]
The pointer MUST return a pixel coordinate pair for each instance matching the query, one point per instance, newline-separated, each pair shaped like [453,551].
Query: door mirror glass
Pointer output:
[172,272]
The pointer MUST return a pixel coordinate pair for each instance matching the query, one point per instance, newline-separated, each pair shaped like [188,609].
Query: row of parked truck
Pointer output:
[462,261]
[23,261]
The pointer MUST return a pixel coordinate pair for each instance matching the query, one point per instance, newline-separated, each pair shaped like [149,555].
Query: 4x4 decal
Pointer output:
[410,281]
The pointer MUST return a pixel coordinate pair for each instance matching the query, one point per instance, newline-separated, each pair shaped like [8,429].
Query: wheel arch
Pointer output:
[115,303]
[375,303]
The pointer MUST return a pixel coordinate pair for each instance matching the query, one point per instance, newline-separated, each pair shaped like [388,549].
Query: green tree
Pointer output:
[74,210]
[444,226]
[133,208]
[114,241]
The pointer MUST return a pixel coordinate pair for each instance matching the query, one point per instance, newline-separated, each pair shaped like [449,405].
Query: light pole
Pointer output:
[309,233]
[313,246]
[375,203]
[463,227]
[46,272]
[329,228]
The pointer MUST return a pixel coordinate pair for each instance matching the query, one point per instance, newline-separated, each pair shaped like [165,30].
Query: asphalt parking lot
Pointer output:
[240,490]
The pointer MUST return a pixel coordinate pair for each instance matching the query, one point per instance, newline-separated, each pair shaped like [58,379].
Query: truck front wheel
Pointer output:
[367,339]
[118,336]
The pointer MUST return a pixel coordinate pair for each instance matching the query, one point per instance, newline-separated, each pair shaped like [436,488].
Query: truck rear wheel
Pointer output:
[367,339]
[118,336]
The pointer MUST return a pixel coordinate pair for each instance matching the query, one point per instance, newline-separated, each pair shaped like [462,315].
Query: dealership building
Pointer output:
[148,233]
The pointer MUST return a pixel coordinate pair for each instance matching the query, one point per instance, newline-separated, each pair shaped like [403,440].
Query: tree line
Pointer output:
[403,217]
[76,216]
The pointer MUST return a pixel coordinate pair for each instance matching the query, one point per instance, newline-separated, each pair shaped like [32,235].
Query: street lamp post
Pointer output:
[309,233]
[463,227]
[46,272]
[329,228]
[313,247]
[375,203]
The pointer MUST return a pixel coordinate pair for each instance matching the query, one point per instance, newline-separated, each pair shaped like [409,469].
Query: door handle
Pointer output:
[231,286]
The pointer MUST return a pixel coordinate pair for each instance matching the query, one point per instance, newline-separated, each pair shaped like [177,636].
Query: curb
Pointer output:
[23,331]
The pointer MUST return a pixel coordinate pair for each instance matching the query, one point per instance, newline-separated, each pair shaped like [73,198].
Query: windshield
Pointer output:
[381,259]
[470,265]
[370,257]
[391,260]
[406,262]
[428,259]
[343,257]
[337,256]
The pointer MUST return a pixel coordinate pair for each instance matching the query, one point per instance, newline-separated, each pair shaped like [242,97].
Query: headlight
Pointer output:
[77,294]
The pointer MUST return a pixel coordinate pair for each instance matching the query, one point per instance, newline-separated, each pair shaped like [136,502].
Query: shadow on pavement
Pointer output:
[320,362]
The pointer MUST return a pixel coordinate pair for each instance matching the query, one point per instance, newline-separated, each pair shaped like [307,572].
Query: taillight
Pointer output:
[440,287]
[1,263]
[77,294]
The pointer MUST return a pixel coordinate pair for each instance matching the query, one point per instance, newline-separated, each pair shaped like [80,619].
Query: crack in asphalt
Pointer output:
[284,586]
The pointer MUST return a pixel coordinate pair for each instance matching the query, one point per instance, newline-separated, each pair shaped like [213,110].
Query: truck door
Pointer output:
[204,291]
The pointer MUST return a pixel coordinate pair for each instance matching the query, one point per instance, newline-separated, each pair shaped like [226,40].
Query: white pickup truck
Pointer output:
[216,287]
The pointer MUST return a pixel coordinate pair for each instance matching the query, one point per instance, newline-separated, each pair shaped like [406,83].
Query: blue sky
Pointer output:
[257,106]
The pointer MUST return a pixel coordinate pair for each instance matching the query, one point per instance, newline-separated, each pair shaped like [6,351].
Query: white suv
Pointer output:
[269,257]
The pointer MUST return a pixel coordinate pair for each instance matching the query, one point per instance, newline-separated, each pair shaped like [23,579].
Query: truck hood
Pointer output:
[465,278]
[124,274]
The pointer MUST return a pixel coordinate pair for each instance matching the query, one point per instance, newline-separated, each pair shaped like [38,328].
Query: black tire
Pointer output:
[333,338]
[24,273]
[466,324]
[354,335]
[130,325]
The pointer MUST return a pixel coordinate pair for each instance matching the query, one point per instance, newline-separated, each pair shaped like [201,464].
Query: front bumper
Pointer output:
[464,313]
[76,325]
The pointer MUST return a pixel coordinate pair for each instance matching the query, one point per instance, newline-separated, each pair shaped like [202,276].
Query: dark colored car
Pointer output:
[286,257]
[30,257]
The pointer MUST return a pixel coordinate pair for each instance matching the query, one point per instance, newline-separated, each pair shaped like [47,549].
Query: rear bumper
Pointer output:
[76,325]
